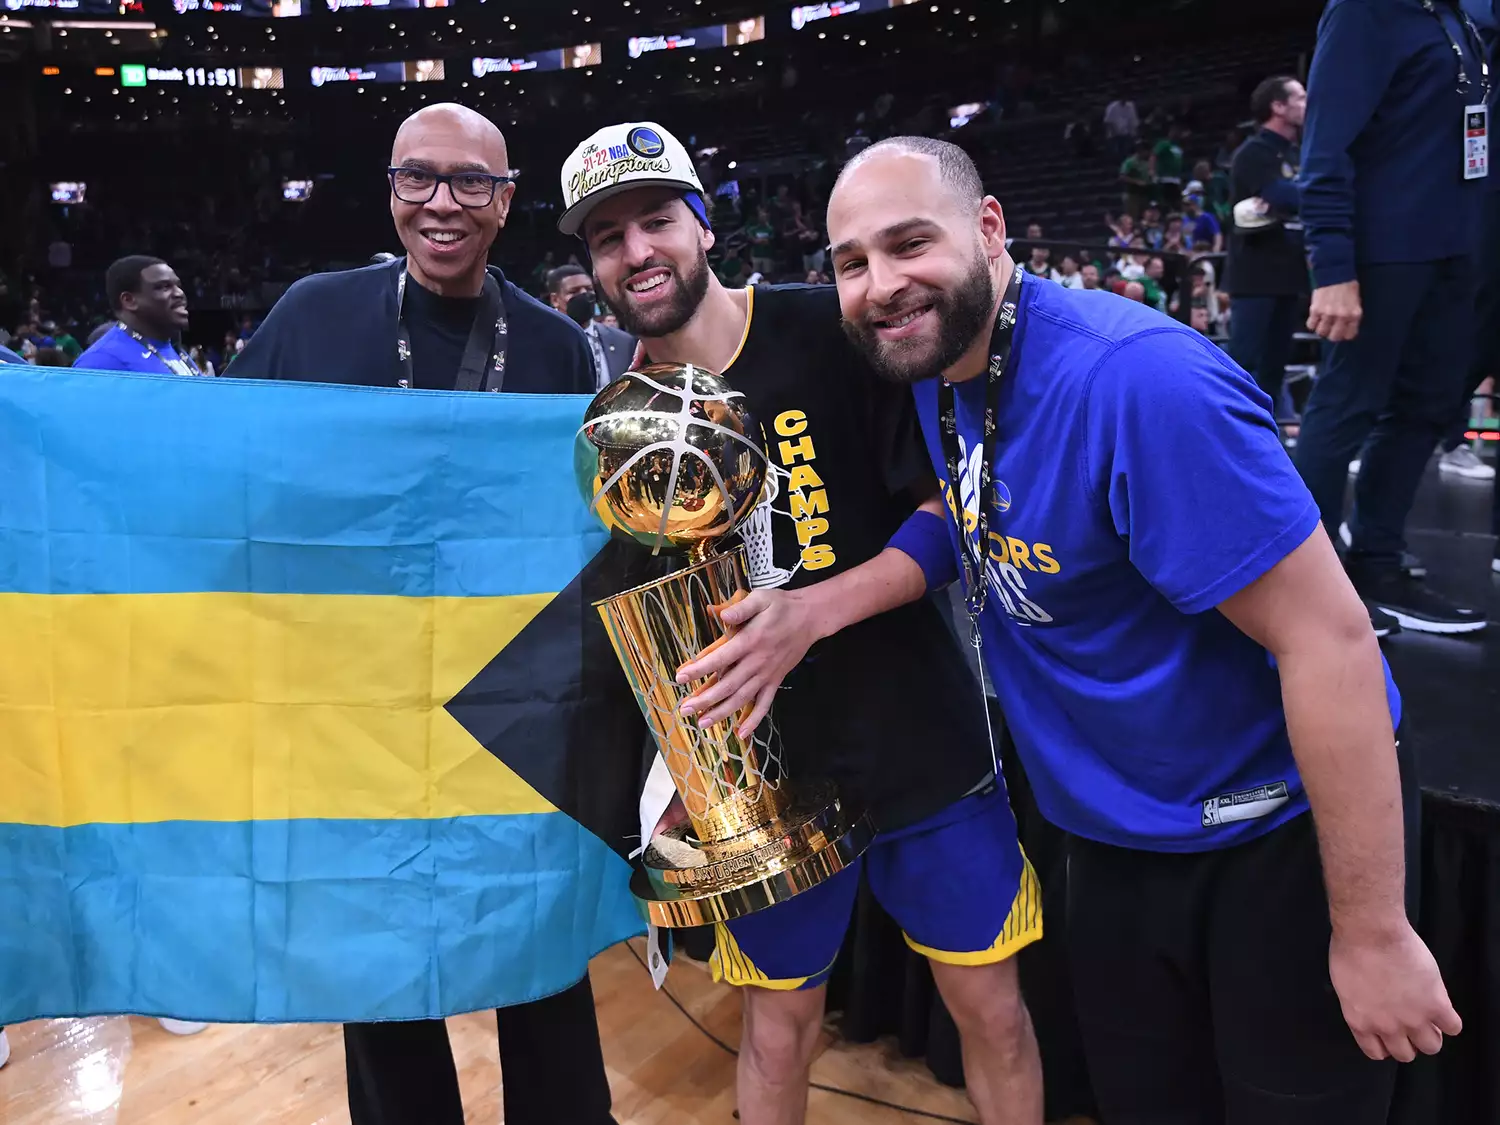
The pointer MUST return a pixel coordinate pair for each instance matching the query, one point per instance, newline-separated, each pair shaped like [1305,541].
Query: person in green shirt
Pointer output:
[1138,181]
[1166,166]
[1155,296]
[762,238]
[64,341]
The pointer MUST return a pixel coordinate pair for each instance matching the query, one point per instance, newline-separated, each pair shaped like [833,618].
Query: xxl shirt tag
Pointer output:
[1476,142]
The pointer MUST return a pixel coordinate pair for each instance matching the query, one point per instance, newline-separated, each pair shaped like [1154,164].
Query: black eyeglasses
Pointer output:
[469,189]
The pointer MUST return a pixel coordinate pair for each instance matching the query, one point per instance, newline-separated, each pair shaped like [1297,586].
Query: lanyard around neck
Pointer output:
[483,365]
[182,365]
[976,560]
[1475,44]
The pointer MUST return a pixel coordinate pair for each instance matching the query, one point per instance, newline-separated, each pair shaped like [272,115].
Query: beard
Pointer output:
[960,314]
[663,318]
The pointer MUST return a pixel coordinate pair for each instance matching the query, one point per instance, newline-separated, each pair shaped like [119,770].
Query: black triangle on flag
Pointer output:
[554,704]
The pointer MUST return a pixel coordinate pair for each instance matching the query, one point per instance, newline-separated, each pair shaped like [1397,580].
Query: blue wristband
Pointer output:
[924,539]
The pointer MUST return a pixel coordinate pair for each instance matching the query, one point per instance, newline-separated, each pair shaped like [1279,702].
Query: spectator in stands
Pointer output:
[734,271]
[151,314]
[1391,210]
[1198,318]
[1039,264]
[1201,231]
[1172,239]
[1090,275]
[1068,275]
[1267,264]
[570,290]
[1215,183]
[1132,266]
[1156,296]
[1166,167]
[64,340]
[1122,231]
[804,239]
[1135,291]
[1121,126]
[1150,228]
[50,357]
[1138,184]
[1198,294]
[761,236]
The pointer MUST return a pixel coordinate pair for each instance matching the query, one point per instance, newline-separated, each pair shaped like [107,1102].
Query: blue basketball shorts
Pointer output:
[957,884]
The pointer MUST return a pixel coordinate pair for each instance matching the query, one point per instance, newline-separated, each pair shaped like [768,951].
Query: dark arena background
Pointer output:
[245,142]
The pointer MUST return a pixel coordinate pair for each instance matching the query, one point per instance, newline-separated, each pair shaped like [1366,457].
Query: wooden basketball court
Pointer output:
[662,1069]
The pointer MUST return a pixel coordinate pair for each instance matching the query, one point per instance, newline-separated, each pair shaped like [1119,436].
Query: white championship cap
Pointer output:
[622,158]
[1253,214]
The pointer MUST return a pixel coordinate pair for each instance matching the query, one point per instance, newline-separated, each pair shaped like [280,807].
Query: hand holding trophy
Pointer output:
[668,456]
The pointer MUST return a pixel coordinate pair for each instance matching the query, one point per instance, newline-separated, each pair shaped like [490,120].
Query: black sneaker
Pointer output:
[1382,622]
[1414,604]
[1413,566]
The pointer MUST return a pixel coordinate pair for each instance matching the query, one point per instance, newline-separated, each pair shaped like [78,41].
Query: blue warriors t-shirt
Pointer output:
[117,350]
[1139,482]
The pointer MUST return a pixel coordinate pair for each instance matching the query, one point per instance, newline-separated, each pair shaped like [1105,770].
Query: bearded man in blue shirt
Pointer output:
[1192,683]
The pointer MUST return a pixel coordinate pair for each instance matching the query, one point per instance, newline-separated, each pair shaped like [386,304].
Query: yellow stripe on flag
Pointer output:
[233,706]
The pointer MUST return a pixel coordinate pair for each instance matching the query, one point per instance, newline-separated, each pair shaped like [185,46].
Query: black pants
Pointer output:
[1392,391]
[1486,356]
[552,1067]
[1260,341]
[1203,992]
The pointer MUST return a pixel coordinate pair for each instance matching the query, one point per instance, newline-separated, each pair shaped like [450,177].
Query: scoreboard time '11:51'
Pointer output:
[255,78]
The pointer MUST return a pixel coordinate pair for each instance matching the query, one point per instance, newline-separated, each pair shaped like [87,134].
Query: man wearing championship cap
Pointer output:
[877,696]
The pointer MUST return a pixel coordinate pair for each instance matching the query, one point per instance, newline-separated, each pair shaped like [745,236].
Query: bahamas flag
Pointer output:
[304,713]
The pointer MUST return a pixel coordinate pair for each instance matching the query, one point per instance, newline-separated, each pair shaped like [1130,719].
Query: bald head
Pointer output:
[450,125]
[918,252]
[450,196]
[953,165]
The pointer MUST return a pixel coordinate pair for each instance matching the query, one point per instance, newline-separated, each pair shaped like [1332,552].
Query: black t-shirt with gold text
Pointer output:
[889,709]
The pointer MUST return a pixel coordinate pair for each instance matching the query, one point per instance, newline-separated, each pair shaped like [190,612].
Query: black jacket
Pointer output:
[341,328]
[1271,261]
[619,350]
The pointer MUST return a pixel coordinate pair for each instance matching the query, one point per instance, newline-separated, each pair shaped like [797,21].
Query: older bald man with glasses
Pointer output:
[441,318]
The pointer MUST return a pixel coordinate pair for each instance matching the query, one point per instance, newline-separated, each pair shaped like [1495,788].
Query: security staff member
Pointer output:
[440,319]
[570,290]
[1391,191]
[1267,266]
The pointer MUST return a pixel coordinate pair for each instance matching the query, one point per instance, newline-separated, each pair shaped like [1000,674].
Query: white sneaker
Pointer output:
[1344,536]
[4,1048]
[181,1027]
[1464,462]
[1354,467]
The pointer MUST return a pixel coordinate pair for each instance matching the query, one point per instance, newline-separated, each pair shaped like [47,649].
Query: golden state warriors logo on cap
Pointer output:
[620,158]
[644,141]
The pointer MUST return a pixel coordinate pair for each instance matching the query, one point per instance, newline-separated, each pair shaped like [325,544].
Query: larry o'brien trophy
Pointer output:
[669,457]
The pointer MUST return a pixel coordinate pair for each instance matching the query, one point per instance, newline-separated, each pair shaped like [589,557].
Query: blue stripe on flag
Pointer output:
[280,488]
[306,920]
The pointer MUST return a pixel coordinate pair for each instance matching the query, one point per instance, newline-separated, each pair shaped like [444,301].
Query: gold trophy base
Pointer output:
[812,836]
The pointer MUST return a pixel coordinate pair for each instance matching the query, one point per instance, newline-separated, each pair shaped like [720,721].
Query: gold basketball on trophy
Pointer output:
[669,457]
